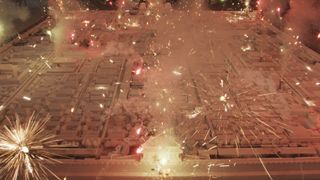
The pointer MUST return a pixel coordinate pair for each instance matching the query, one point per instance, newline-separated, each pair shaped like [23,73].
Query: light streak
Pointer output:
[138,131]
[101,88]
[194,113]
[177,73]
[309,102]
[26,98]
[309,68]
[46,62]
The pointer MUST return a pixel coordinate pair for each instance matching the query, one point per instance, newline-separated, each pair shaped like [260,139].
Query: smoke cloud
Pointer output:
[9,13]
[299,17]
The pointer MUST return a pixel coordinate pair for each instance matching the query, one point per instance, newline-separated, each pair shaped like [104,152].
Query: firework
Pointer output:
[23,149]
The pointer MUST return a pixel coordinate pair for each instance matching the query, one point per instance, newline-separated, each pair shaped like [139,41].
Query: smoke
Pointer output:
[299,17]
[10,14]
[59,34]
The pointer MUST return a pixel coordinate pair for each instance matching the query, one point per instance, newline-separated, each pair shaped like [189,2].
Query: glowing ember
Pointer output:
[1,107]
[309,102]
[49,33]
[26,98]
[138,131]
[177,73]
[309,68]
[194,113]
[137,71]
[139,150]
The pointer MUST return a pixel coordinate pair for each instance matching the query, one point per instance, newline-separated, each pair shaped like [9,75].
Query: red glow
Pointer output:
[278,9]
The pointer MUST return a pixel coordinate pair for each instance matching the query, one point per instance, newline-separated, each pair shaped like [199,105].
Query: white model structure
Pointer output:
[164,93]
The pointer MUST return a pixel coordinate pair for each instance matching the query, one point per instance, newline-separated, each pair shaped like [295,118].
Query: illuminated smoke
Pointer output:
[10,12]
[300,17]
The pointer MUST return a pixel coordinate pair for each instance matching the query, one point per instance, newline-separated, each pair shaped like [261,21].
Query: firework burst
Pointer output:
[23,149]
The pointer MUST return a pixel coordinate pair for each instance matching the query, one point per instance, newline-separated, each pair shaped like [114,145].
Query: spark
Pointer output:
[213,147]
[318,36]
[138,131]
[138,71]
[194,113]
[1,107]
[86,22]
[132,24]
[49,33]
[223,98]
[221,83]
[23,149]
[139,150]
[26,98]
[309,102]
[101,88]
[72,110]
[246,48]
[111,28]
[309,68]
[46,62]
[101,106]
[177,73]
